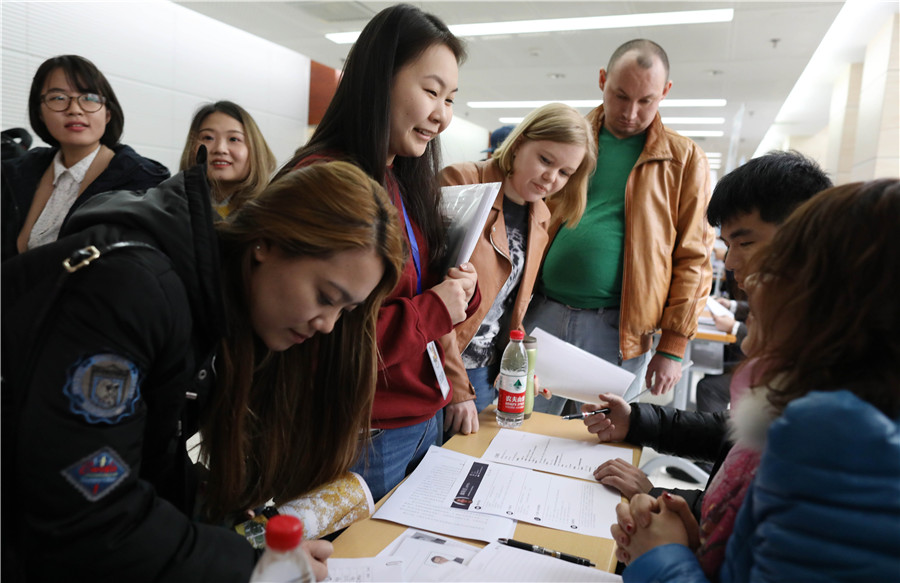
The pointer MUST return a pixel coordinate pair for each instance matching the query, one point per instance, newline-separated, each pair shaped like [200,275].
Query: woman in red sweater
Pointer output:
[395,97]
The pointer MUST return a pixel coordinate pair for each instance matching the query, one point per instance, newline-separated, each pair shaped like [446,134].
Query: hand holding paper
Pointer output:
[571,372]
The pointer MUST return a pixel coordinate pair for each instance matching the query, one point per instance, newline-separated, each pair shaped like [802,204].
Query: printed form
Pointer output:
[553,501]
[566,457]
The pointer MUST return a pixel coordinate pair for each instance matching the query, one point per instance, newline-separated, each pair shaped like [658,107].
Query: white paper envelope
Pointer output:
[569,371]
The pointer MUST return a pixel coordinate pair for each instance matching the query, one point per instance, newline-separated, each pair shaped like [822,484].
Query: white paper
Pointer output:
[412,533]
[466,207]
[419,501]
[569,371]
[566,457]
[556,502]
[716,308]
[428,561]
[498,562]
[359,570]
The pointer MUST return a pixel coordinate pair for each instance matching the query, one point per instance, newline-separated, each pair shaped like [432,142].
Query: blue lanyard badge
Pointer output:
[414,246]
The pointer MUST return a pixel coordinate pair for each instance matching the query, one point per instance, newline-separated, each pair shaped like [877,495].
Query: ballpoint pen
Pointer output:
[604,410]
[588,414]
[541,550]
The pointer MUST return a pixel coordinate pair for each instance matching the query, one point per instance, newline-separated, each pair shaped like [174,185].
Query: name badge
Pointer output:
[435,358]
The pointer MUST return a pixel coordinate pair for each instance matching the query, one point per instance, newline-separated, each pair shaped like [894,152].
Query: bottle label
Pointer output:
[512,393]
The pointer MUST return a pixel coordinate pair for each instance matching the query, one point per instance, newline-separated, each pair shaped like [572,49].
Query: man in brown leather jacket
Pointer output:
[638,262]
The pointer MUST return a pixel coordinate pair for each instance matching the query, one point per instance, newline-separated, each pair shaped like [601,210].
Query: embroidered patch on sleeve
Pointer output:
[103,388]
[98,474]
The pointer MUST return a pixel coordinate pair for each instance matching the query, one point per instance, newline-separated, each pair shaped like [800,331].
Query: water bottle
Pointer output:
[531,350]
[512,382]
[283,561]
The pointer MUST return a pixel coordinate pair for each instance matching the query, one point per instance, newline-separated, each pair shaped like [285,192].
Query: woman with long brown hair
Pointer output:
[142,323]
[240,161]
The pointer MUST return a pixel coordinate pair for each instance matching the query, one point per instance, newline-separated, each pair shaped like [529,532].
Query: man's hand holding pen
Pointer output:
[611,426]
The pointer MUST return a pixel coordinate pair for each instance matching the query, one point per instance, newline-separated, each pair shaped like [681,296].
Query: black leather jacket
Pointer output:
[696,435]
[99,385]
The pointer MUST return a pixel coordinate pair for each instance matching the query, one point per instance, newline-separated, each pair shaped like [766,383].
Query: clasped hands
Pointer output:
[647,522]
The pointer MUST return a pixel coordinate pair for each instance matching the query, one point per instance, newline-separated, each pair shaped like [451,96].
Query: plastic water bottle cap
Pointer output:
[283,532]
[516,335]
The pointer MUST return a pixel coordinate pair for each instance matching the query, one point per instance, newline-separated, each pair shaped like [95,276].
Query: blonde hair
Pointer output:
[261,159]
[556,122]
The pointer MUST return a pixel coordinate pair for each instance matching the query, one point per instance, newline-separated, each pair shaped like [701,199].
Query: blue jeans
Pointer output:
[393,454]
[483,381]
[596,331]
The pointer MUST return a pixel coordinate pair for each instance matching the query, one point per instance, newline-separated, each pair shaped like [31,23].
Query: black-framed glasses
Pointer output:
[59,101]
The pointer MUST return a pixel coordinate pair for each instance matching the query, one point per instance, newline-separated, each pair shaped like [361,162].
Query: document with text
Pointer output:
[567,457]
[553,501]
[420,501]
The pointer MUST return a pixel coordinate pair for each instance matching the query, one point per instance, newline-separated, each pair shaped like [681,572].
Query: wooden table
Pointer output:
[368,537]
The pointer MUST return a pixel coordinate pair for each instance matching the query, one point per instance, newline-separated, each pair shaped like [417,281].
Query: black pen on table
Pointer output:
[541,550]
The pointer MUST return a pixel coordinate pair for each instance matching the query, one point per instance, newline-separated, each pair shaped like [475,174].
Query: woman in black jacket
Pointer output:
[143,323]
[73,108]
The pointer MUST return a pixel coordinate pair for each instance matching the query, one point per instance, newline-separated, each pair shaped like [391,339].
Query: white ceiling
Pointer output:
[753,62]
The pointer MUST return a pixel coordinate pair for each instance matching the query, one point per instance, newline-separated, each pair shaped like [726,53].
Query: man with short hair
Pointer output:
[749,203]
[639,260]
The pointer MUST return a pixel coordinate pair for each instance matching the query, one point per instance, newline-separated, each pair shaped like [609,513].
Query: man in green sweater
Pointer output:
[638,261]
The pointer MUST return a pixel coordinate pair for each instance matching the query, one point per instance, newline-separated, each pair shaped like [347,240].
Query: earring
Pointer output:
[258,247]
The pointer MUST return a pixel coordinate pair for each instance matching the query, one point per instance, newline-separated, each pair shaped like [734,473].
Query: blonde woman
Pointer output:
[550,157]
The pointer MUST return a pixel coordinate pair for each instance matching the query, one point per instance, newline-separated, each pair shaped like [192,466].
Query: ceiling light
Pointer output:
[590,103]
[694,120]
[564,24]
[513,120]
[702,133]
[713,154]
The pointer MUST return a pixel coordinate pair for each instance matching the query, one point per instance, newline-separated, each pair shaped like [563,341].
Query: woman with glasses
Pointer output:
[73,108]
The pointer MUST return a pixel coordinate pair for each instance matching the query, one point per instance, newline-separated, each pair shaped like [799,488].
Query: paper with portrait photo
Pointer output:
[569,371]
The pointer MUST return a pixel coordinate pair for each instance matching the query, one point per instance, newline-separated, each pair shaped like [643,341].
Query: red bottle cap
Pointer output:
[283,532]
[516,335]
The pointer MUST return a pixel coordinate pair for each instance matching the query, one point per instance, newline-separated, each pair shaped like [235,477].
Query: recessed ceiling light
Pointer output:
[701,133]
[590,103]
[565,24]
[513,120]
[693,120]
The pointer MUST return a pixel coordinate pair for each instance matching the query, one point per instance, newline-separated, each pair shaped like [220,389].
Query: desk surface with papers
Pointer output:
[369,537]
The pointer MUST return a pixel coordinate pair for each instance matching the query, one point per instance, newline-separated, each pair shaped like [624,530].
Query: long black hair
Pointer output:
[356,124]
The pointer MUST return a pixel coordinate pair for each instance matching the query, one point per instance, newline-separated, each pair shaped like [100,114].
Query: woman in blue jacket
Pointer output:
[73,108]
[825,502]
